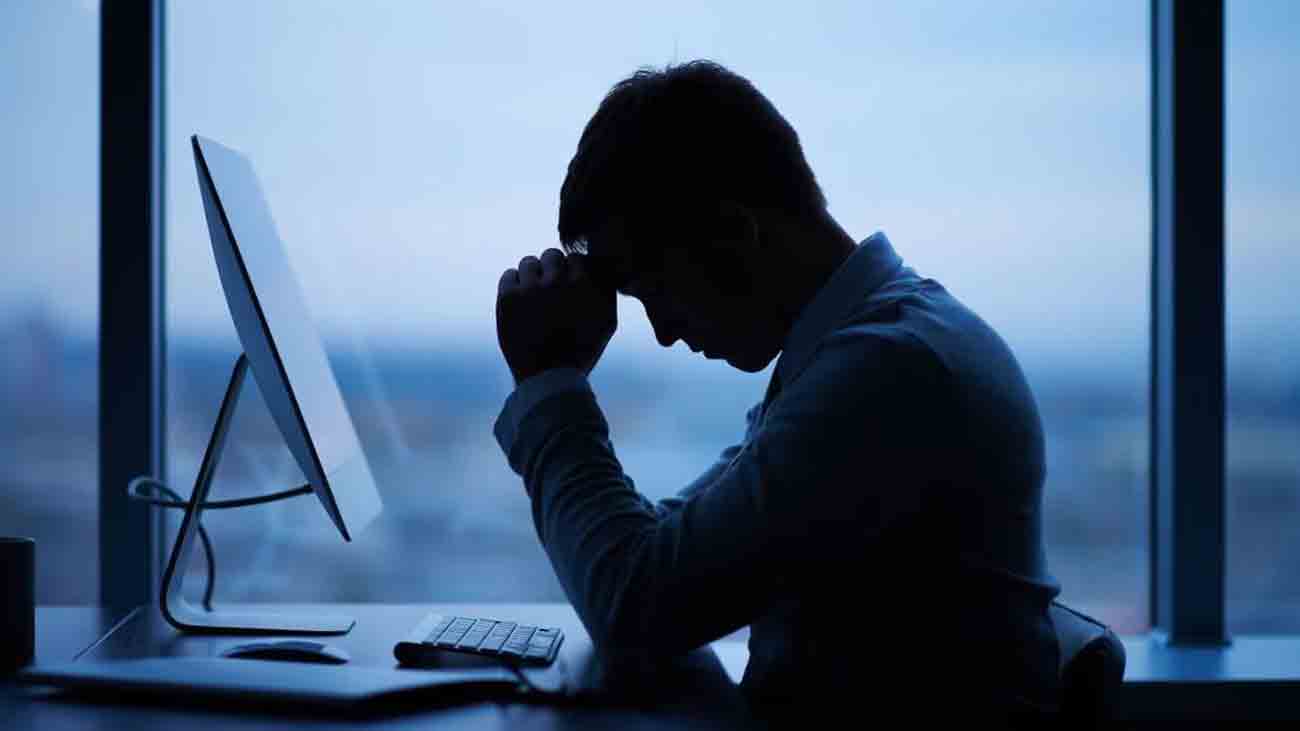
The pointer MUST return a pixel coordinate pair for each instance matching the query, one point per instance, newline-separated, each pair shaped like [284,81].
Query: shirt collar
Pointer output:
[870,265]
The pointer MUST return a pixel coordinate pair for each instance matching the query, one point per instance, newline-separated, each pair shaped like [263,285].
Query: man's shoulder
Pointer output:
[877,352]
[872,340]
[880,333]
[919,321]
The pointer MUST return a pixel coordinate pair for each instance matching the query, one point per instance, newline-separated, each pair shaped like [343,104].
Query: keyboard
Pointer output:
[517,642]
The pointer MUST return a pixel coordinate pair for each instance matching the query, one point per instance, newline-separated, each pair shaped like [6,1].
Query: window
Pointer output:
[49,314]
[411,153]
[1263,319]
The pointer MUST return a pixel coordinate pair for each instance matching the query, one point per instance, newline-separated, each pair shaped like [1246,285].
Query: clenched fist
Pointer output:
[550,314]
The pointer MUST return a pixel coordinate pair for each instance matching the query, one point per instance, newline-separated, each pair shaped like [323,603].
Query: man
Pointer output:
[879,527]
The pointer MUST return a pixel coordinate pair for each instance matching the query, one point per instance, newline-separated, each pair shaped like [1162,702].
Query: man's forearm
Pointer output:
[594,526]
[645,579]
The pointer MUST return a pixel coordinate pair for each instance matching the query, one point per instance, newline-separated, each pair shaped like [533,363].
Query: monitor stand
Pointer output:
[186,617]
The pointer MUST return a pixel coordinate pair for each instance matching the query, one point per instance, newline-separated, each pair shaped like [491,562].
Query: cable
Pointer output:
[211,558]
[176,501]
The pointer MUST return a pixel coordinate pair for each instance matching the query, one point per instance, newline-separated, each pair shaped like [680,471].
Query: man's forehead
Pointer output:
[610,272]
[617,256]
[611,227]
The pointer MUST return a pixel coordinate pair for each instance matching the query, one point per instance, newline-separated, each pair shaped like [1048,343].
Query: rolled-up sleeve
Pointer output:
[797,492]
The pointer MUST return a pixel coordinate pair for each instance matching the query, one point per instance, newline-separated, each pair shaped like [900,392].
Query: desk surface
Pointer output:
[701,692]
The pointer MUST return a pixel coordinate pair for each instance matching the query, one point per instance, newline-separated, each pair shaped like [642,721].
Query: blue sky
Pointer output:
[411,152]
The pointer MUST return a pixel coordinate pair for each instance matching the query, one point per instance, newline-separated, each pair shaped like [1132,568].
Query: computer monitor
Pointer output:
[280,339]
[284,351]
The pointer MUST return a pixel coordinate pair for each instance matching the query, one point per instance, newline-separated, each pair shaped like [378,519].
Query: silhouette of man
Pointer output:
[879,527]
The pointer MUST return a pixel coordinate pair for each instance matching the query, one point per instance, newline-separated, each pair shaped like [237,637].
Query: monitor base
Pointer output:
[188,618]
[184,616]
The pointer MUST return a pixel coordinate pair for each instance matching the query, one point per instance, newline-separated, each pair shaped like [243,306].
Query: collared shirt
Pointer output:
[880,521]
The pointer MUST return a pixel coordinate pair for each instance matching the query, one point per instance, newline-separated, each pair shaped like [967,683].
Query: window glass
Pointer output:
[413,151]
[1263,317]
[49,306]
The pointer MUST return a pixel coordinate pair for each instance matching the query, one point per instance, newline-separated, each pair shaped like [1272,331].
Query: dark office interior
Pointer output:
[375,536]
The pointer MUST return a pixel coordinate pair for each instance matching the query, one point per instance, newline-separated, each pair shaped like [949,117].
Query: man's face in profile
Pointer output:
[692,292]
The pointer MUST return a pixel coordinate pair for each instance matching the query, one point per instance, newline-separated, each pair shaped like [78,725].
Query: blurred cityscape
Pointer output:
[456,525]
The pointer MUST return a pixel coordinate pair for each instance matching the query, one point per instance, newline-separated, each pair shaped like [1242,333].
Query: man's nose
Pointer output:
[665,333]
[665,337]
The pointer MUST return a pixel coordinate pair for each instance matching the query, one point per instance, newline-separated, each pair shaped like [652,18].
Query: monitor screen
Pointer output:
[280,338]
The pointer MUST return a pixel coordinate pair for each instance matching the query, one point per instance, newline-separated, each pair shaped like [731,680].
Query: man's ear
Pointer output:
[737,227]
[736,252]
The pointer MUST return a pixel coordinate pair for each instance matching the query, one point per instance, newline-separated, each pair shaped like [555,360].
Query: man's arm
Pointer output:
[550,383]
[796,499]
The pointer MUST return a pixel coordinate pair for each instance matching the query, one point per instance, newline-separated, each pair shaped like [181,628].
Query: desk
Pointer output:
[700,693]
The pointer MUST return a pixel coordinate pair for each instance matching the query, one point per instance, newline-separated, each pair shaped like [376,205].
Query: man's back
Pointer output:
[951,600]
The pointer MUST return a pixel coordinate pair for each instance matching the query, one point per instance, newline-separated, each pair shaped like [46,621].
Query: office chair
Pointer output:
[1092,667]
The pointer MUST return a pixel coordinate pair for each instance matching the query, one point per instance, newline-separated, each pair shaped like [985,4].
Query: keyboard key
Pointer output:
[497,637]
[521,635]
[470,641]
[462,623]
[517,644]
[539,646]
[514,649]
[455,631]
[476,634]
[480,630]
[438,628]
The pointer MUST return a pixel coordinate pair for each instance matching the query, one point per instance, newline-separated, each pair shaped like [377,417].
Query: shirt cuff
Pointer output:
[528,394]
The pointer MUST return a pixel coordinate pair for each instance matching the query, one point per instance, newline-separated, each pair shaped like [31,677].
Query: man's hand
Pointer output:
[550,314]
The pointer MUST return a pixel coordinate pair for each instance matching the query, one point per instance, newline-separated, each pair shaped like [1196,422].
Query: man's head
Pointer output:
[690,192]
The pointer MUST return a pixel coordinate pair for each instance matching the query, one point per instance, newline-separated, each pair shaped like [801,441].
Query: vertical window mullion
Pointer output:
[131,364]
[1187,328]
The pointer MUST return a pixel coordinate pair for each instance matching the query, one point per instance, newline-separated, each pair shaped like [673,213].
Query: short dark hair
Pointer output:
[665,142]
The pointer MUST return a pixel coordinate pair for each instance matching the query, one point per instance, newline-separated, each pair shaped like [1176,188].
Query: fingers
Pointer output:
[509,282]
[530,271]
[553,267]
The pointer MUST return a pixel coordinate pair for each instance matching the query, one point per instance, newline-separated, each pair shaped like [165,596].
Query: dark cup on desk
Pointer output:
[17,602]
